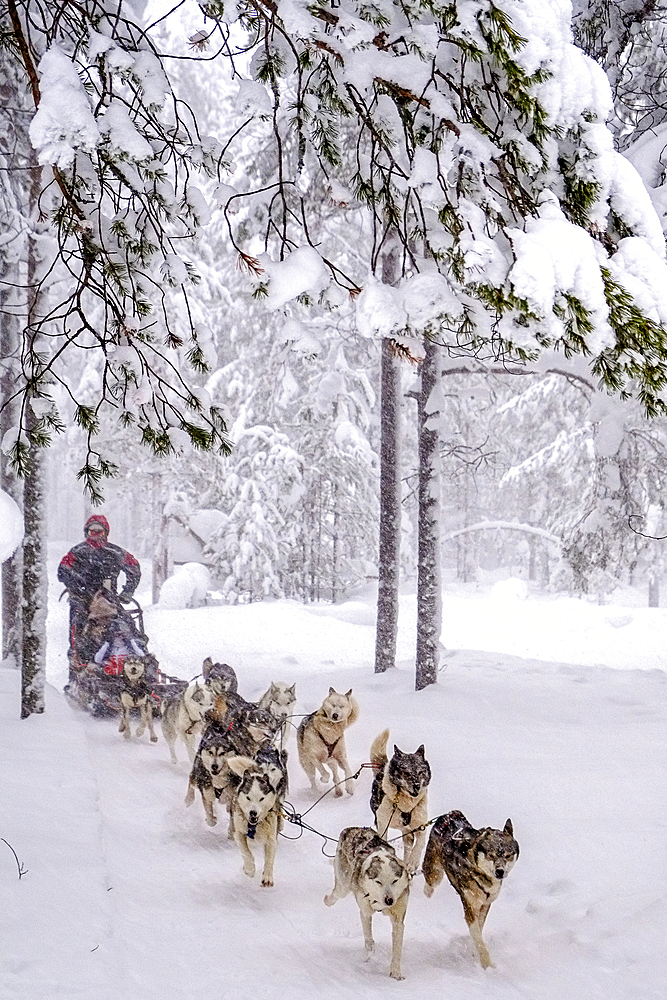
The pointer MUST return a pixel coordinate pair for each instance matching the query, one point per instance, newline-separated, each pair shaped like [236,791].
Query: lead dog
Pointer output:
[255,815]
[399,796]
[476,862]
[368,867]
[183,717]
[280,700]
[135,693]
[320,740]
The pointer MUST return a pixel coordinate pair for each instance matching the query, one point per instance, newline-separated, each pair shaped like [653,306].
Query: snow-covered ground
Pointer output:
[128,893]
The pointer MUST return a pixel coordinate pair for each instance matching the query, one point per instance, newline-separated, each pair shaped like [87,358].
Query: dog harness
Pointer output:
[330,746]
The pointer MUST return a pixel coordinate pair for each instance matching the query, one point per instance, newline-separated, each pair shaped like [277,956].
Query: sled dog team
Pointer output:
[238,760]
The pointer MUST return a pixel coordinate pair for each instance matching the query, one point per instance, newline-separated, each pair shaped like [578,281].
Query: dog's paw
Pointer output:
[329,900]
[140,730]
[370,949]
[396,975]
[350,790]
[338,792]
[267,882]
[153,739]
[249,871]
[428,890]
[211,820]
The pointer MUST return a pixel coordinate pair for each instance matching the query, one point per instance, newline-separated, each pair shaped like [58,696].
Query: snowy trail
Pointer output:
[573,917]
[131,894]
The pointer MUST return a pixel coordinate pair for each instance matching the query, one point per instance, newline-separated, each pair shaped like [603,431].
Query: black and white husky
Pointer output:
[367,866]
[135,693]
[280,700]
[476,862]
[210,775]
[255,815]
[399,796]
[183,717]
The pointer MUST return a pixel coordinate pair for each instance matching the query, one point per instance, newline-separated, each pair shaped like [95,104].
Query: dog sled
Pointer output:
[107,633]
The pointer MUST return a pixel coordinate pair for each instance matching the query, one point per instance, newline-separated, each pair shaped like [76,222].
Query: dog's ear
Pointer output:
[348,693]
[331,691]
[397,752]
[292,690]
[420,750]
[508,828]
[206,668]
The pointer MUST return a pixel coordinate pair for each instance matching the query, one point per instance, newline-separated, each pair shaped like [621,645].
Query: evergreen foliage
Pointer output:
[121,155]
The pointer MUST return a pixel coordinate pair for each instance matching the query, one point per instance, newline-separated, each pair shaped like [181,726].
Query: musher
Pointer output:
[93,565]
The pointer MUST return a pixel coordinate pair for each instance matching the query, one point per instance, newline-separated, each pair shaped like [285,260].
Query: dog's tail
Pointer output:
[379,748]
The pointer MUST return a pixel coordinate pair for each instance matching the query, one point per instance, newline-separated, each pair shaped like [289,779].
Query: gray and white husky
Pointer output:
[399,796]
[183,717]
[210,775]
[367,866]
[135,693]
[280,700]
[255,815]
[220,677]
[476,862]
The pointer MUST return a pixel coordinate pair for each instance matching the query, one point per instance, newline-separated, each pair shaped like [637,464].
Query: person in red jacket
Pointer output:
[92,565]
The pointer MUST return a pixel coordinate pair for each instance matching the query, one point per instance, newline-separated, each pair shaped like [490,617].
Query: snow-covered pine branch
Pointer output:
[475,131]
[118,158]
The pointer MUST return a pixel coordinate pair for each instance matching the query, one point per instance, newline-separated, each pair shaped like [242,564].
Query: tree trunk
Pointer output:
[33,659]
[35,583]
[160,540]
[390,513]
[389,542]
[429,598]
[653,591]
[11,568]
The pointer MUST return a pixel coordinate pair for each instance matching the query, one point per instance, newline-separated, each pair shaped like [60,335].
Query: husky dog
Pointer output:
[320,740]
[271,762]
[274,764]
[183,715]
[280,700]
[220,677]
[210,774]
[245,726]
[255,815]
[135,693]
[367,866]
[398,796]
[475,862]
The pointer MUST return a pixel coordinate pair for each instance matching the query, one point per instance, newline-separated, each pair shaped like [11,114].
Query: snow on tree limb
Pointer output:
[123,151]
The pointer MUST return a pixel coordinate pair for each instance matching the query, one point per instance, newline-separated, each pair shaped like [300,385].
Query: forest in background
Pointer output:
[544,457]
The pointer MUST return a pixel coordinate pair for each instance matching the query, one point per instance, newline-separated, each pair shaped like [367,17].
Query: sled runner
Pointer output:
[111,632]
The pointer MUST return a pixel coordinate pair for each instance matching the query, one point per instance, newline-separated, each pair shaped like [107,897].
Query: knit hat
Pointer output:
[96,519]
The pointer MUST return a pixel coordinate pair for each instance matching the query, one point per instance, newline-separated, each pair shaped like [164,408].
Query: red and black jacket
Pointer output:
[85,568]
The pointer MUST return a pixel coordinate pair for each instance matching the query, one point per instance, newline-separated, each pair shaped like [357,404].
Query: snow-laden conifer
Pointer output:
[121,159]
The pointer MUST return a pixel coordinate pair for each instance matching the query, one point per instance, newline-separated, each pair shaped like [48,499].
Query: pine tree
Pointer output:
[121,156]
[479,141]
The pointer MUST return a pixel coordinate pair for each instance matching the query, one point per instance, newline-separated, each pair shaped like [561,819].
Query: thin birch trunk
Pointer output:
[11,568]
[35,589]
[429,597]
[390,514]
[389,547]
